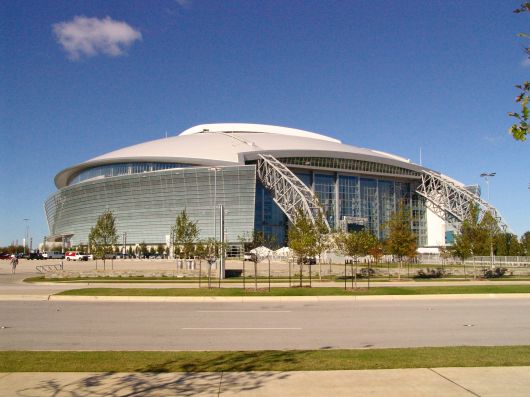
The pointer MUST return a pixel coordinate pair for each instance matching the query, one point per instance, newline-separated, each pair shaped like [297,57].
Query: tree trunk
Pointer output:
[369,274]
[351,272]
[345,278]
[255,275]
[269,259]
[290,263]
[355,275]
[301,263]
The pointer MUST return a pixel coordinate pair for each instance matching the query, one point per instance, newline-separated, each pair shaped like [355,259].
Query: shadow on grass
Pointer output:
[228,373]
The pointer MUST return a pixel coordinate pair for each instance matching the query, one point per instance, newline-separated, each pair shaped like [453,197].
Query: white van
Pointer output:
[53,255]
[77,256]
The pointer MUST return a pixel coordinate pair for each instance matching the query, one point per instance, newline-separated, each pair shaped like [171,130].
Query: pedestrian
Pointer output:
[14,263]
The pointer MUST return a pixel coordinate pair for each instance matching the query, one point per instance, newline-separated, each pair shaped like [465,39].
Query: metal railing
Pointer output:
[49,268]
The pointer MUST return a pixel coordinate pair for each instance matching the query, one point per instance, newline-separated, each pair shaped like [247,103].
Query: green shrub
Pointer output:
[495,273]
[430,273]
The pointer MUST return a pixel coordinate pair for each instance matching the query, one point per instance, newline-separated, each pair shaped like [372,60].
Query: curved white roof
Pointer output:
[231,144]
[255,128]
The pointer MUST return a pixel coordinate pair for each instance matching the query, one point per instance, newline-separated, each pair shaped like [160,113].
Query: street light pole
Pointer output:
[26,237]
[487,176]
[215,169]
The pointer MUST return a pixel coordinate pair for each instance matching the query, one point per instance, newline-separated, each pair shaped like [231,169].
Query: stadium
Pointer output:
[234,179]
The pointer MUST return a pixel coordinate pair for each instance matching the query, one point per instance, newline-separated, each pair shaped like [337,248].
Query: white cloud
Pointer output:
[92,36]
[526,62]
[184,3]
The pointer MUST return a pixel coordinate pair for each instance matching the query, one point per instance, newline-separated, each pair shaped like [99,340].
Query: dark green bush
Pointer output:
[430,273]
[495,273]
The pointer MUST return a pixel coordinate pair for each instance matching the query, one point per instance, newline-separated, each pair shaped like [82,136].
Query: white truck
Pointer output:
[53,255]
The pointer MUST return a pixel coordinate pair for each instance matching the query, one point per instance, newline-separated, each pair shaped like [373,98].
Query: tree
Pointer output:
[401,240]
[519,130]
[142,248]
[212,250]
[525,243]
[355,245]
[185,233]
[302,239]
[323,243]
[377,252]
[507,244]
[255,240]
[103,236]
[160,249]
[200,251]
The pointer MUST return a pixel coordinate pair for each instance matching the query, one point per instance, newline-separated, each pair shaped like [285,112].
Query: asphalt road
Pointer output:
[49,325]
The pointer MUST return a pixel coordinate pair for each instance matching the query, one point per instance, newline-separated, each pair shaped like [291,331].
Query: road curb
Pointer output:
[238,299]
[24,297]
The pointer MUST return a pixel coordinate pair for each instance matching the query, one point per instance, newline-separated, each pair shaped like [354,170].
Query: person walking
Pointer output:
[14,263]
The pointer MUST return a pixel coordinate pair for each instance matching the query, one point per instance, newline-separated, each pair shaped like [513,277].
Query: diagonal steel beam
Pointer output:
[452,202]
[287,190]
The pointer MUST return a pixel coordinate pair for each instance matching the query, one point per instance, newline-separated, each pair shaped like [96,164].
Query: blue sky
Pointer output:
[388,75]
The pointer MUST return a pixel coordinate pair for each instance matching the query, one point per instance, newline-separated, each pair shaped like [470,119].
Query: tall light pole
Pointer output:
[487,176]
[215,169]
[26,220]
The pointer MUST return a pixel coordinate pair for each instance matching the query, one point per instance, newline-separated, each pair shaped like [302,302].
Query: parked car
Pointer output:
[250,256]
[5,255]
[53,255]
[34,255]
[310,260]
[110,256]
[75,256]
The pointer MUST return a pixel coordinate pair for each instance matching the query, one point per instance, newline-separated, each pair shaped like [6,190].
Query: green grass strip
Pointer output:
[325,291]
[267,360]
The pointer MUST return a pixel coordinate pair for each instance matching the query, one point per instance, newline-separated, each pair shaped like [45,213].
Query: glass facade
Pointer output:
[146,205]
[146,198]
[269,219]
[349,201]
[119,169]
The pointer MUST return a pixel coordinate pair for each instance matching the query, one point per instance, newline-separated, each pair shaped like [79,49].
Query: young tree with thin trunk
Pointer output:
[303,239]
[185,233]
[103,236]
[356,245]
[401,240]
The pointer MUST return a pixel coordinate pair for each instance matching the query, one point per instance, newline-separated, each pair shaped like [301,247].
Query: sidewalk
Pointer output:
[443,382]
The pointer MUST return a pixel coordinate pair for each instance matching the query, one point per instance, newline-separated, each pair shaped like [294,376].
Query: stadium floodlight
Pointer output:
[487,176]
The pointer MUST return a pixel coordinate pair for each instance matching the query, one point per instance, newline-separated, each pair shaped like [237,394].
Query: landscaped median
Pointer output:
[286,291]
[267,360]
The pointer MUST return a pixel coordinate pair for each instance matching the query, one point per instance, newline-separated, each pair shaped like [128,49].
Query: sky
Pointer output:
[82,78]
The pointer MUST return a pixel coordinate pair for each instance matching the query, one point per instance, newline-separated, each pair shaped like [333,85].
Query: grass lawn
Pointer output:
[285,291]
[267,360]
[250,280]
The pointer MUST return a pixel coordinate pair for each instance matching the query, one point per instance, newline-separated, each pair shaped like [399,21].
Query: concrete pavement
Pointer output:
[443,382]
[224,326]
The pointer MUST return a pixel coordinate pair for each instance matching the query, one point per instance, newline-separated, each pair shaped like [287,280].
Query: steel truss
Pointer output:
[452,202]
[288,191]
